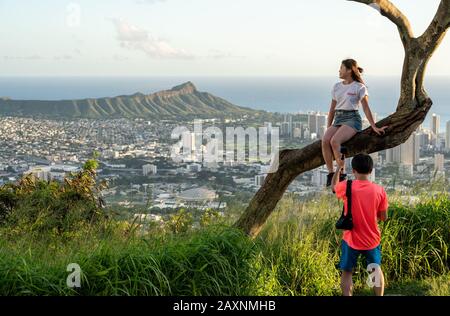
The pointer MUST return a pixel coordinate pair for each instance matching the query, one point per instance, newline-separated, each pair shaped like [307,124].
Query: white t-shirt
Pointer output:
[348,96]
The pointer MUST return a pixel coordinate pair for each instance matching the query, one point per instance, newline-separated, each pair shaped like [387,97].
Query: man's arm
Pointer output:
[383,207]
[335,179]
[382,216]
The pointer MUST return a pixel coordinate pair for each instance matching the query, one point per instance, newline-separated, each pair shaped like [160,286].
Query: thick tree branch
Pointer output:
[437,29]
[389,10]
[428,42]
[293,162]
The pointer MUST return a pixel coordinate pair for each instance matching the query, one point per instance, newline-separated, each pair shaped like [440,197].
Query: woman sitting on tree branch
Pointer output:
[347,96]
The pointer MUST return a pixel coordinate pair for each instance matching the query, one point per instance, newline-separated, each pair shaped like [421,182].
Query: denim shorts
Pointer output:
[349,118]
[349,256]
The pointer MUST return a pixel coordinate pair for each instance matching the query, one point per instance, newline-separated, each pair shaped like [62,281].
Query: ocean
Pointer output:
[275,94]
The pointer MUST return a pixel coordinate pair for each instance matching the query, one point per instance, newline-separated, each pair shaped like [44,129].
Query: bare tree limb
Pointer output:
[389,10]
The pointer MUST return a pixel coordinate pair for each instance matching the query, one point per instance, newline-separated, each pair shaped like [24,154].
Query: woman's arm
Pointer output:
[331,113]
[368,112]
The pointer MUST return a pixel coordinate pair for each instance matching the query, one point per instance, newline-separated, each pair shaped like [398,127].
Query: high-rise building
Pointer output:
[321,121]
[439,162]
[407,153]
[268,126]
[319,177]
[405,170]
[447,135]
[322,131]
[410,150]
[302,117]
[287,126]
[424,138]
[393,155]
[312,123]
[285,129]
[290,126]
[416,149]
[307,134]
[435,123]
[297,125]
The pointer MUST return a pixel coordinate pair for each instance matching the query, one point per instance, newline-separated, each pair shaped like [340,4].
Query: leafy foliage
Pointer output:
[39,205]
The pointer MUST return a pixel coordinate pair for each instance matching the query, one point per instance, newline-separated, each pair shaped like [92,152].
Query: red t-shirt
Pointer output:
[368,199]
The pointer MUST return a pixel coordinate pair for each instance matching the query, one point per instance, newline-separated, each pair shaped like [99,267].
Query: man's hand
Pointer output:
[382,216]
[335,179]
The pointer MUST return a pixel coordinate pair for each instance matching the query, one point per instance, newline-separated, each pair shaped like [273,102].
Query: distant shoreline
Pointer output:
[285,94]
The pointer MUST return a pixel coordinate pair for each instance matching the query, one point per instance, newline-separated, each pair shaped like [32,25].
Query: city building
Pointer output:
[197,195]
[312,123]
[406,170]
[149,169]
[259,179]
[321,123]
[285,129]
[438,162]
[319,177]
[435,124]
[447,135]
[195,167]
[407,153]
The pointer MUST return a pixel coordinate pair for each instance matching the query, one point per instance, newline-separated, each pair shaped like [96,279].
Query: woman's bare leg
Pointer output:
[343,134]
[327,151]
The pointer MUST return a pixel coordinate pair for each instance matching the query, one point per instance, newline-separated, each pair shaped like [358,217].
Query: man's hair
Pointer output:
[362,163]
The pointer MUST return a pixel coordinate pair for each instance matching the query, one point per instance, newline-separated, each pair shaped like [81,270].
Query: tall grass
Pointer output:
[295,254]
[214,261]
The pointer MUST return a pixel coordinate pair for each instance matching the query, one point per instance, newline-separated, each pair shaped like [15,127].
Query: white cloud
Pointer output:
[135,38]
[217,54]
[149,1]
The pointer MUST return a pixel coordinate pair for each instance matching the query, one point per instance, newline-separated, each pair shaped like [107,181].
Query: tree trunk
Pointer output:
[413,106]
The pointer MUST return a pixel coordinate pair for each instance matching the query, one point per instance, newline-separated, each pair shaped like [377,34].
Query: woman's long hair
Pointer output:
[356,70]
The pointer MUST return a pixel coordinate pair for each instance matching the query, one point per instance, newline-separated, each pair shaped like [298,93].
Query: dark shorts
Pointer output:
[349,256]
[349,118]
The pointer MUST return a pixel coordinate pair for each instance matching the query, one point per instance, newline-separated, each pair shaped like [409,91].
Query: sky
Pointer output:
[205,37]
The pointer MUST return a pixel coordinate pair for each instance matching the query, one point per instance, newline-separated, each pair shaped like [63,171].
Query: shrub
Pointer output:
[36,205]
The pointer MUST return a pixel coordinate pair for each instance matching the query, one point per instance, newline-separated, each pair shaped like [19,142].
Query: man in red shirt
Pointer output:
[369,204]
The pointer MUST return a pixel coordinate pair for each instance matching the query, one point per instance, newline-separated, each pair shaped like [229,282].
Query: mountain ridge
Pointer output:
[183,100]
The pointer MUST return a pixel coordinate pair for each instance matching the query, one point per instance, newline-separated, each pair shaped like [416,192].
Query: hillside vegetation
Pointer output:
[46,226]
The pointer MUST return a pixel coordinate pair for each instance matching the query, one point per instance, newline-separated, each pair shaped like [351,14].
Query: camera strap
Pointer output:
[348,193]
